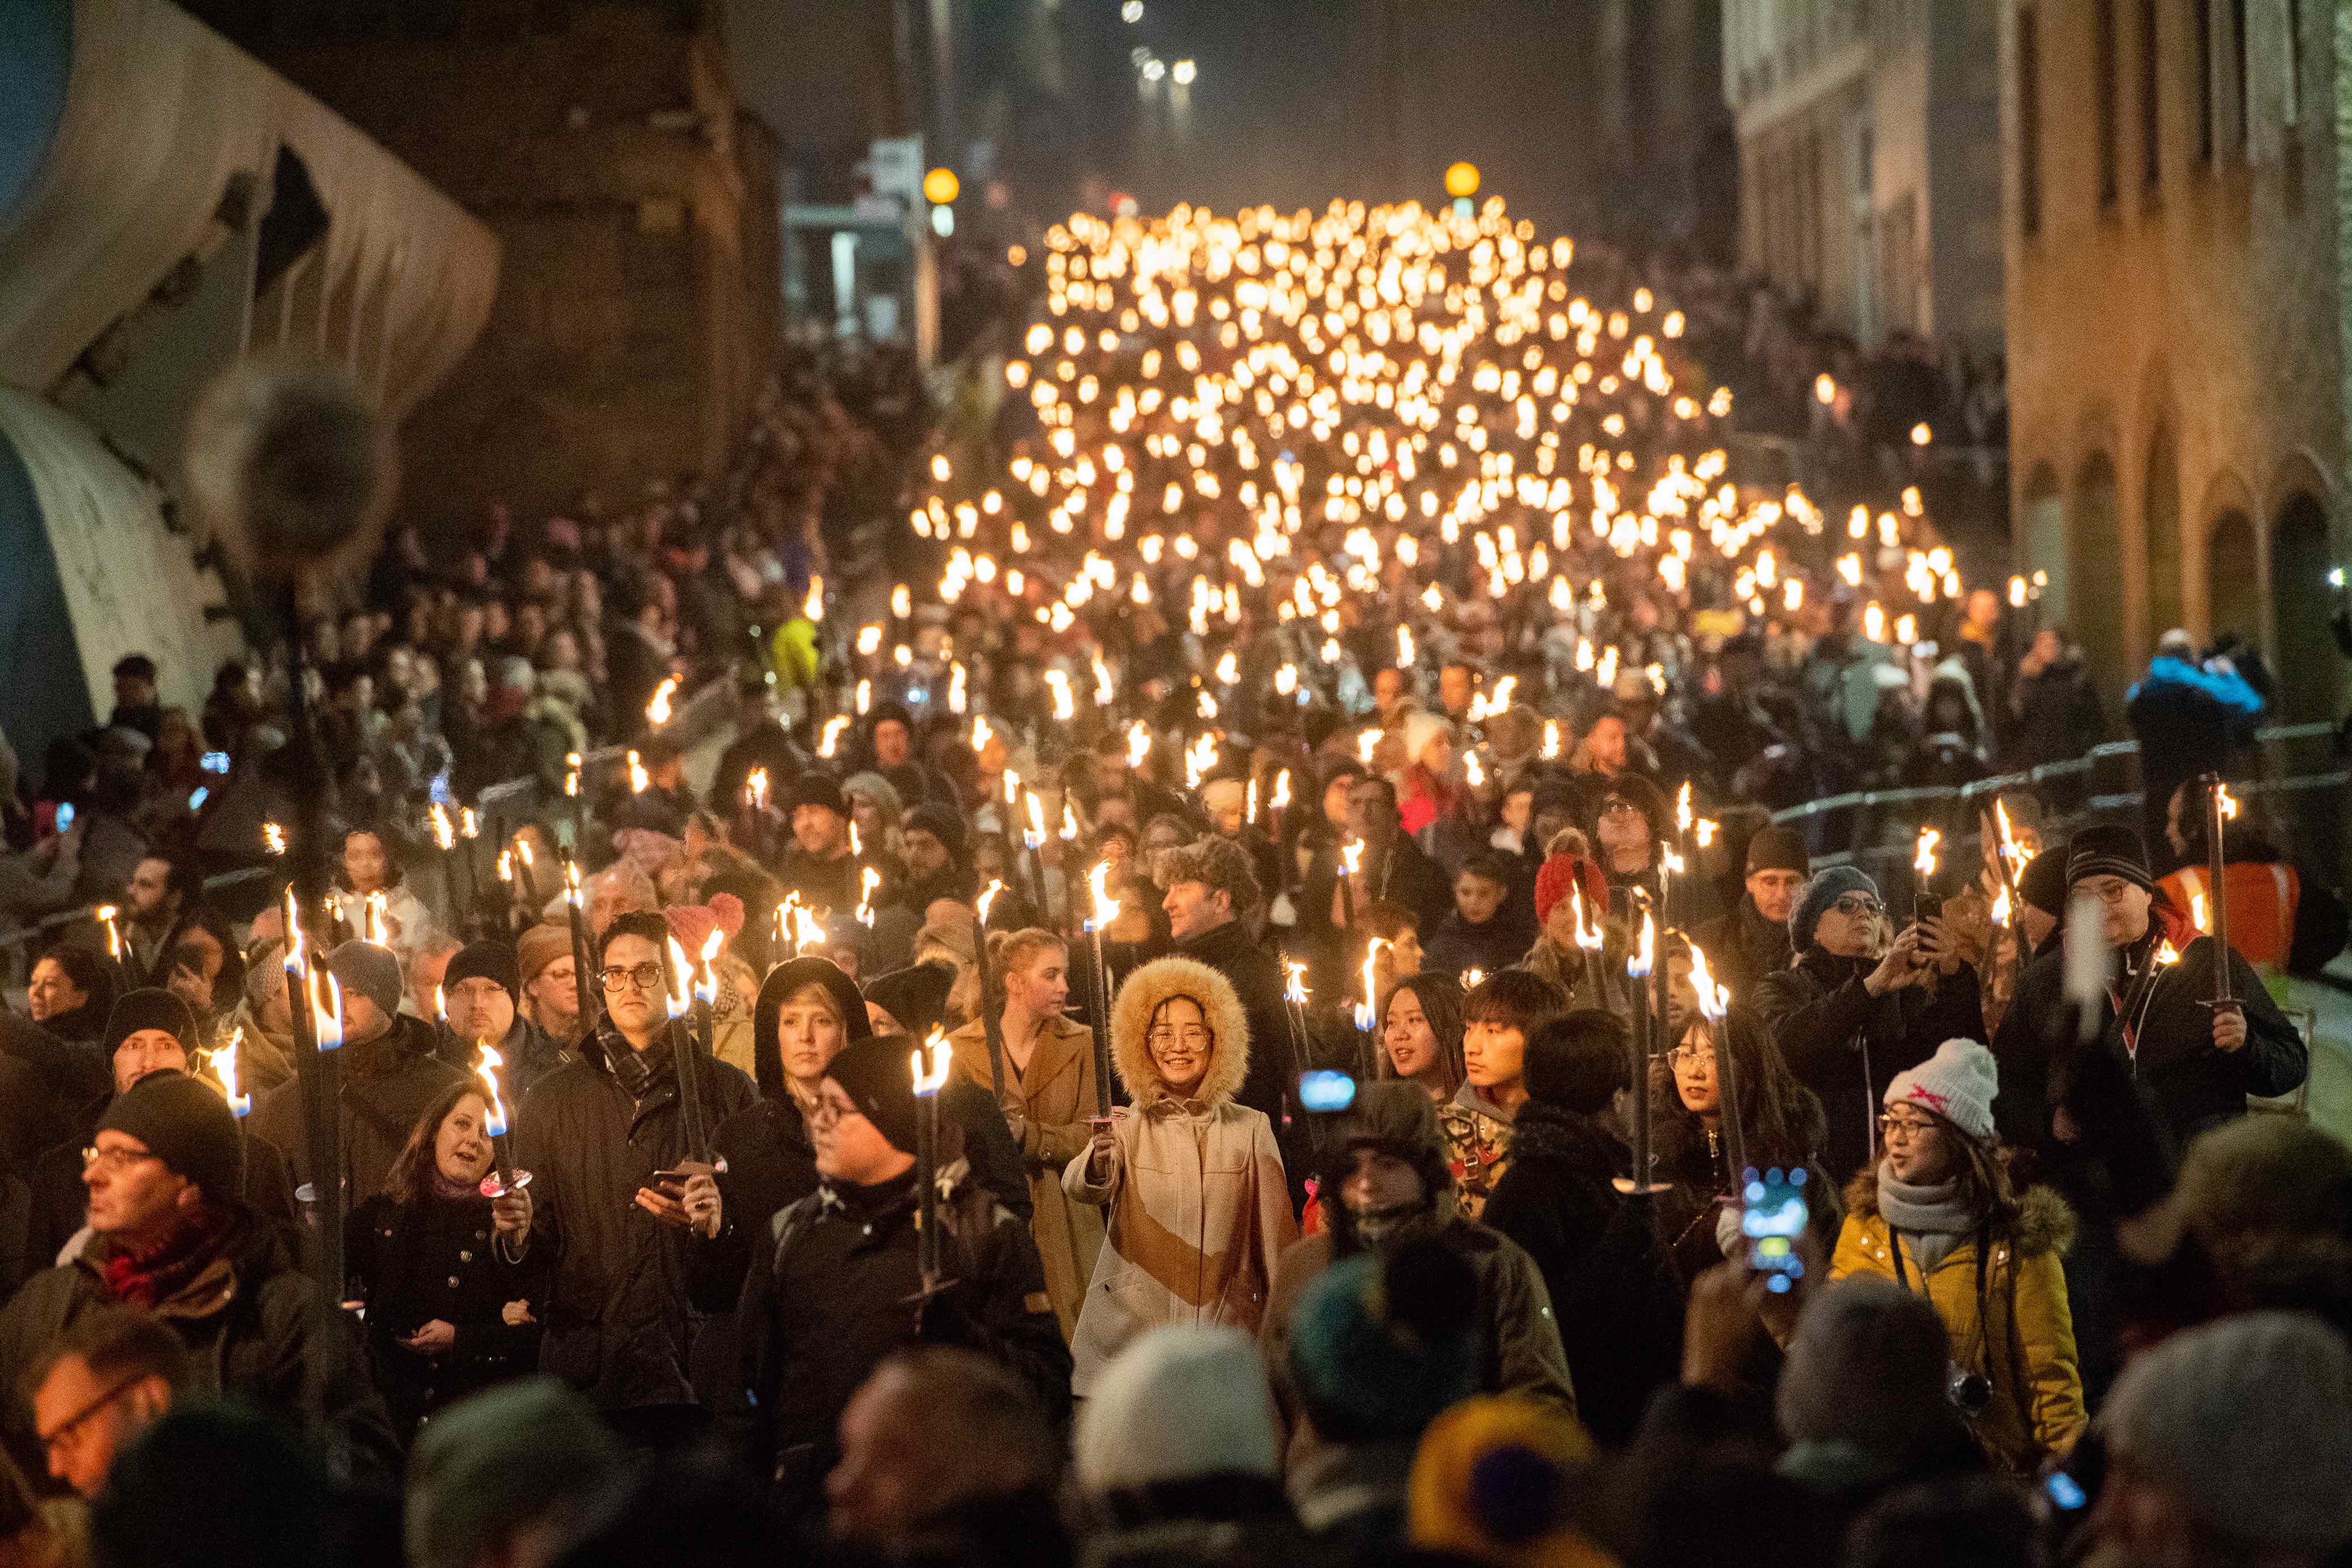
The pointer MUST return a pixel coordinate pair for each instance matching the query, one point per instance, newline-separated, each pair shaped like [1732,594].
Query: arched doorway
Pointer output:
[2160,518]
[2233,588]
[2310,675]
[2095,585]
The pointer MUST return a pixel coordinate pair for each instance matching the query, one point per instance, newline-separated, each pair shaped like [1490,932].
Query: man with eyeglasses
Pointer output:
[598,1135]
[111,1374]
[171,1236]
[1857,1008]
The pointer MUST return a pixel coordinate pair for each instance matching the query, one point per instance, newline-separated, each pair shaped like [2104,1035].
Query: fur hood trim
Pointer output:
[2044,1222]
[1140,996]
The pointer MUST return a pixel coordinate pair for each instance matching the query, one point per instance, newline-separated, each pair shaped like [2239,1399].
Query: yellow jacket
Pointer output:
[2024,1345]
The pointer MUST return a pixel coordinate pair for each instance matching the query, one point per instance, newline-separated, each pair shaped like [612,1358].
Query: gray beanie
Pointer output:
[2249,1419]
[1826,888]
[1216,1376]
[362,968]
[491,1465]
[1865,1367]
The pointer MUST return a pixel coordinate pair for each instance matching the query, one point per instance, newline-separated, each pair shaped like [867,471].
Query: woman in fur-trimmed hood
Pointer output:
[1198,1210]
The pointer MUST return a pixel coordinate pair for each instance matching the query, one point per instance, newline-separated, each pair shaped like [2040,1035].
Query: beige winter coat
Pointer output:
[1198,1208]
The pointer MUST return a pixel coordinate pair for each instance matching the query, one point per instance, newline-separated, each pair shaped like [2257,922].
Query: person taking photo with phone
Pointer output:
[1936,1215]
[1857,1008]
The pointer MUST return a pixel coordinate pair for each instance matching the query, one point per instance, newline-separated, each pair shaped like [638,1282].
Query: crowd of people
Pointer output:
[1106,1067]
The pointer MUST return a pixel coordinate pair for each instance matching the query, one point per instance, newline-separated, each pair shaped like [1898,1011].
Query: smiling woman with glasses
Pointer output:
[1938,1216]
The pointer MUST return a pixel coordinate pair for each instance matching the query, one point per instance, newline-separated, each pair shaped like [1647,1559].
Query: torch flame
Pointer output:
[1683,807]
[106,914]
[224,1062]
[2011,852]
[1281,789]
[2198,910]
[1105,906]
[1924,862]
[486,1068]
[1473,979]
[869,879]
[571,880]
[981,732]
[931,1075]
[1550,740]
[2001,910]
[1294,988]
[705,977]
[988,898]
[1704,830]
[468,824]
[374,910]
[2229,802]
[523,848]
[325,1006]
[440,1004]
[1637,962]
[2166,953]
[1351,856]
[755,789]
[1587,937]
[1035,834]
[442,834]
[830,739]
[657,709]
[678,982]
[1713,1000]
[1139,743]
[1366,744]
[1364,1014]
[273,838]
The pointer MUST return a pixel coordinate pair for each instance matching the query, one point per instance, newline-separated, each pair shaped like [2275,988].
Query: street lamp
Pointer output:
[1184,72]
[1462,179]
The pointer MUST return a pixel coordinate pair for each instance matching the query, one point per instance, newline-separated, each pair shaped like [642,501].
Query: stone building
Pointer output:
[2176,228]
[1864,175]
[635,203]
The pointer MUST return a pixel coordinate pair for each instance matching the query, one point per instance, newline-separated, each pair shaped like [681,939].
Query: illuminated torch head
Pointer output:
[706,972]
[638,778]
[570,882]
[1351,856]
[987,900]
[1364,1014]
[2001,908]
[2227,802]
[658,710]
[1139,743]
[1714,1000]
[225,1069]
[1281,789]
[325,1006]
[1683,807]
[444,834]
[273,838]
[106,914]
[679,994]
[2197,911]
[1294,989]
[2166,953]
[1034,836]
[486,1068]
[1924,860]
[869,879]
[1645,953]
[1106,907]
[755,789]
[1588,935]
[929,1063]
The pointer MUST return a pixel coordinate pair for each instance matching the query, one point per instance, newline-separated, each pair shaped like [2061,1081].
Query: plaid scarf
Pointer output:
[157,1273]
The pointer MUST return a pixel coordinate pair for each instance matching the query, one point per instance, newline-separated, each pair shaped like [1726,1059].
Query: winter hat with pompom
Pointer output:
[1957,1083]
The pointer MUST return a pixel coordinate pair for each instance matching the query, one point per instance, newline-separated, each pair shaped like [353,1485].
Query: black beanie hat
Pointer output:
[1777,848]
[150,1008]
[486,960]
[2108,849]
[185,1123]
[816,789]
[879,1079]
[941,824]
[2043,882]
[917,996]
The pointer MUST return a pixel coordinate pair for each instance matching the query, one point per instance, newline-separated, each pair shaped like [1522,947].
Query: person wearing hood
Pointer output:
[1854,1010]
[149,1031]
[938,858]
[481,991]
[1498,1017]
[807,1012]
[1386,1165]
[1938,1215]
[1609,1278]
[68,993]
[835,1288]
[2190,717]
[1191,1180]
[70,997]
[1752,941]
[819,865]
[389,1071]
[171,1235]
[598,1133]
[1211,892]
[1045,1084]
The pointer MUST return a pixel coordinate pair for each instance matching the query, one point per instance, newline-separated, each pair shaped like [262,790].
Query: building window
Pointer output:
[2204,24]
[2029,123]
[2151,99]
[2103,63]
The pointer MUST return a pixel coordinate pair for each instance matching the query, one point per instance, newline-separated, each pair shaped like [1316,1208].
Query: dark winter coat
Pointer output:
[618,1321]
[529,1052]
[1494,947]
[387,1085]
[834,1290]
[2058,715]
[256,1327]
[1742,947]
[2169,1055]
[1612,1283]
[439,1260]
[60,1203]
[1846,1045]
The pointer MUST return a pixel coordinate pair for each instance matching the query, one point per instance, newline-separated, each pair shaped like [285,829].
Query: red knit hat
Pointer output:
[1562,871]
[692,924]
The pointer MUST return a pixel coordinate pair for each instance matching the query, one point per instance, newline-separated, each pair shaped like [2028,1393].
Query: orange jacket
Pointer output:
[2263,899]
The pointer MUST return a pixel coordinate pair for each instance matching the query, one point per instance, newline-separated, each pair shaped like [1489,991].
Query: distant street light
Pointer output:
[1131,12]
[1153,70]
[1185,71]
[940,185]
[1462,179]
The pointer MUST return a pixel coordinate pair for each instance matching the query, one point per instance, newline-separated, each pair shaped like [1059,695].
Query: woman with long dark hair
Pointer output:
[1781,1124]
[1421,1035]
[448,1310]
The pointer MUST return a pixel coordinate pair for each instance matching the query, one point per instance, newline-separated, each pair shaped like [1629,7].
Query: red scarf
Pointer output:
[160,1271]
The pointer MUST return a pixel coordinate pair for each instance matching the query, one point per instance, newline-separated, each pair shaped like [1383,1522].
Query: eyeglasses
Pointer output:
[1906,1126]
[114,1162]
[824,1113]
[643,977]
[1860,905]
[65,1431]
[1611,807]
[1190,1035]
[1691,1056]
[2110,892]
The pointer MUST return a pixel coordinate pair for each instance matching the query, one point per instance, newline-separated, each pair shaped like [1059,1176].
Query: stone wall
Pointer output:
[641,292]
[2176,358]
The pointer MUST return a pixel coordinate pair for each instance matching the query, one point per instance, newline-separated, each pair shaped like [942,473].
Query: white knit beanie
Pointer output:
[1957,1083]
[2250,1419]
[1181,1403]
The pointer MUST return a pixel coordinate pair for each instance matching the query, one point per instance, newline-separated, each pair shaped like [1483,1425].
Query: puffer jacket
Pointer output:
[2008,1319]
[617,1323]
[1199,1207]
